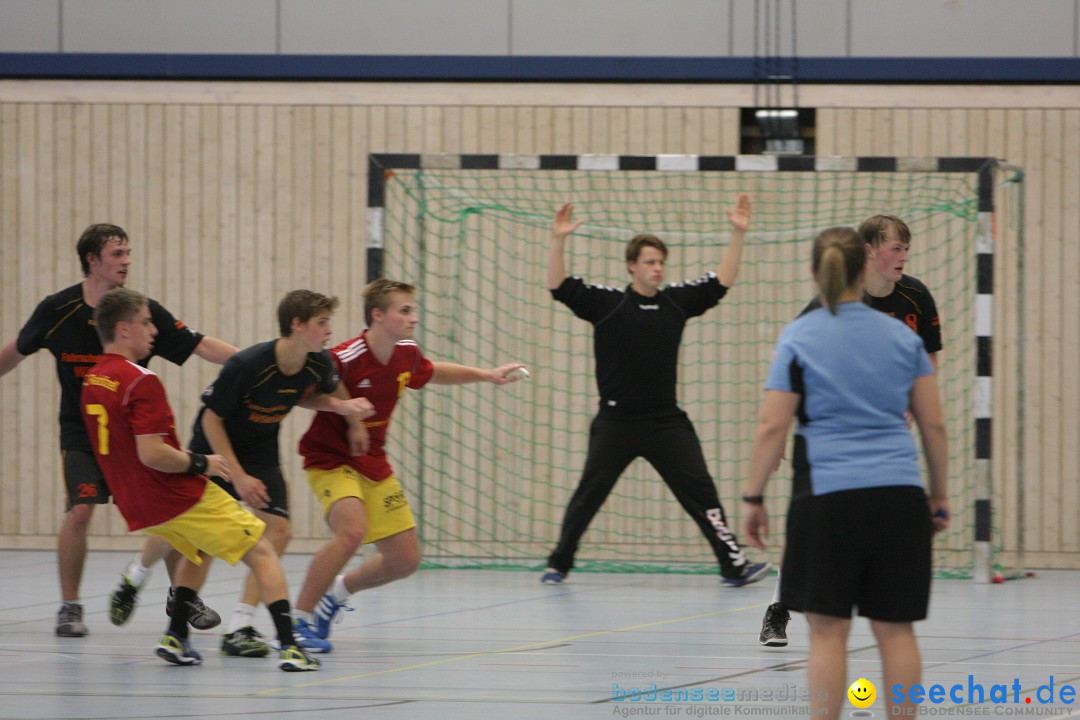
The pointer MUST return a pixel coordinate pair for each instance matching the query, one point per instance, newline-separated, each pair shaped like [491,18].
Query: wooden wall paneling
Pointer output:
[394,130]
[579,131]
[351,278]
[487,129]
[864,132]
[1034,471]
[1069,508]
[655,132]
[920,132]
[470,129]
[224,228]
[620,133]
[506,130]
[599,138]
[19,497]
[939,132]
[561,137]
[901,131]
[711,133]
[1055,458]
[989,138]
[224,187]
[261,265]
[413,137]
[1015,484]
[300,237]
[674,132]
[544,125]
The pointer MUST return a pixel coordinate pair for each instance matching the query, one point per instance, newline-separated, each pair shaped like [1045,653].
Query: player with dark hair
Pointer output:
[163,490]
[63,324]
[636,337]
[886,288]
[859,526]
[241,418]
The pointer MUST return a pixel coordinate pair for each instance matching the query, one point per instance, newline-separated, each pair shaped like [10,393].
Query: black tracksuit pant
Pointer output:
[670,444]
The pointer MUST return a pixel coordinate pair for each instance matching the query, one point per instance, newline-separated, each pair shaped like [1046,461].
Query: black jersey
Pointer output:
[636,339]
[252,397]
[64,324]
[910,302]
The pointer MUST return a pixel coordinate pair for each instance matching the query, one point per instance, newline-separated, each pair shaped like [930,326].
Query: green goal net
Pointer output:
[489,470]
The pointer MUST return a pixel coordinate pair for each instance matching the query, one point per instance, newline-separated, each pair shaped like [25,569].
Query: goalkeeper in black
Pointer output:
[636,336]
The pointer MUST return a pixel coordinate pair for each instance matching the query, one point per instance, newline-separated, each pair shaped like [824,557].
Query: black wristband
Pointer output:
[198,464]
[754,499]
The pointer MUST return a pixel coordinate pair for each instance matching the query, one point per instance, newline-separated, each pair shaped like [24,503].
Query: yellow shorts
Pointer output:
[216,524]
[387,509]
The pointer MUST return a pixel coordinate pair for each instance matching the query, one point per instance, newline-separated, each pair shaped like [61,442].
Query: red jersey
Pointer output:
[325,445]
[121,400]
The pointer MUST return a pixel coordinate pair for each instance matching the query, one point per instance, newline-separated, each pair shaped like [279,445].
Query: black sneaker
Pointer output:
[752,572]
[245,642]
[200,617]
[69,622]
[774,626]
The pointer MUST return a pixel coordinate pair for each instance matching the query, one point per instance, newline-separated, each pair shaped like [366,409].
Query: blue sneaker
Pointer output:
[327,612]
[177,650]
[552,576]
[307,638]
[752,572]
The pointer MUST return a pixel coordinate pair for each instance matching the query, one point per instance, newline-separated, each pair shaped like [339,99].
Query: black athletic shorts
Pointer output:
[867,548]
[83,479]
[275,487]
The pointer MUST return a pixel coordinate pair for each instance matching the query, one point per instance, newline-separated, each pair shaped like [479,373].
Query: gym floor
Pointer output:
[473,644]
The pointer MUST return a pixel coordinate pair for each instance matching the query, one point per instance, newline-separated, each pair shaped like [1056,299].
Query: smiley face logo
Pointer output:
[862,693]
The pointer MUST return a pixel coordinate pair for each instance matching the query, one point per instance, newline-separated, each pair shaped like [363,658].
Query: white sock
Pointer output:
[136,573]
[338,589]
[303,615]
[776,590]
[243,615]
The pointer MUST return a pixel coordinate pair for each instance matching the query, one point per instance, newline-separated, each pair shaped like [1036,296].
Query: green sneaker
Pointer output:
[245,642]
[294,659]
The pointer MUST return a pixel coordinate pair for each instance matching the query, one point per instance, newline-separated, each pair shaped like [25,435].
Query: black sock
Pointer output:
[279,611]
[178,625]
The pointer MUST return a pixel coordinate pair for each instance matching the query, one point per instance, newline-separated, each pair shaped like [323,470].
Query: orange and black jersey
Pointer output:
[636,339]
[64,324]
[911,303]
[252,397]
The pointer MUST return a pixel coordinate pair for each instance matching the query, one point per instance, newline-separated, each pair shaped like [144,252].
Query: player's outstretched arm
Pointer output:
[9,357]
[213,350]
[739,217]
[561,228]
[347,406]
[447,373]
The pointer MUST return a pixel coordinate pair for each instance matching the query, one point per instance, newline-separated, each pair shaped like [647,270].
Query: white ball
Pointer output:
[519,373]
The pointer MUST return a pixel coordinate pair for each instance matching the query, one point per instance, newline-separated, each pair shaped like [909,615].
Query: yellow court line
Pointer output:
[519,648]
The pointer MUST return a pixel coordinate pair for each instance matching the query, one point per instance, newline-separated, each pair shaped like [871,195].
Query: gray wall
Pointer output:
[693,28]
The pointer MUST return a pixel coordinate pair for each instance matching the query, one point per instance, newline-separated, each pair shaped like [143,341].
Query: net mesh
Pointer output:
[489,470]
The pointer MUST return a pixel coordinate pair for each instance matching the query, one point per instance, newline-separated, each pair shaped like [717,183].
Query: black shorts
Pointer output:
[859,548]
[83,480]
[275,487]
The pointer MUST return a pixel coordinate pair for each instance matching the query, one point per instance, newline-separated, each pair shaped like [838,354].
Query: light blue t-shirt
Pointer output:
[854,371]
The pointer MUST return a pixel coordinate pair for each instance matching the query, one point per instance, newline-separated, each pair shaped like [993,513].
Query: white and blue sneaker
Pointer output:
[327,612]
[307,638]
[552,576]
[752,572]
